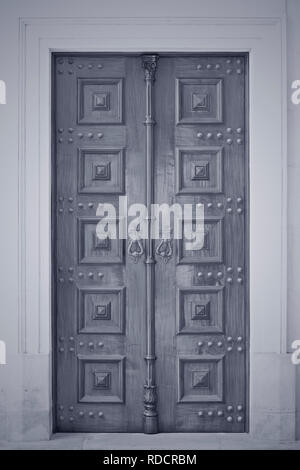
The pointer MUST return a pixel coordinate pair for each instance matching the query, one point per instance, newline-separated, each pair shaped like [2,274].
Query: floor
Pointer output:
[154,442]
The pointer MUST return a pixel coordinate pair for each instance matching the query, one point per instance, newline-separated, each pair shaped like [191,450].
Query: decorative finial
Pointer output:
[150,65]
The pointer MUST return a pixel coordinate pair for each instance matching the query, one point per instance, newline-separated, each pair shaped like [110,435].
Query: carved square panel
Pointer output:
[199,100]
[91,249]
[101,379]
[199,170]
[200,310]
[201,379]
[101,310]
[101,171]
[212,249]
[100,101]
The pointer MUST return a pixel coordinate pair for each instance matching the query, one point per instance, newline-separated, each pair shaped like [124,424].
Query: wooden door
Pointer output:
[200,314]
[150,336]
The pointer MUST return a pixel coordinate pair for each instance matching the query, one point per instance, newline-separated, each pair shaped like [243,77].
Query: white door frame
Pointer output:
[271,411]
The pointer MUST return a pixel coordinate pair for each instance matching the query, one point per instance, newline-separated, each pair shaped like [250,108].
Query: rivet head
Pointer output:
[219,344]
[199,67]
[60,130]
[210,413]
[219,135]
[199,135]
[91,275]
[91,345]
[239,210]
[70,140]
[100,66]
[99,135]
[239,339]
[71,279]
[71,210]
[91,414]
[61,279]
[229,280]
[239,71]
[70,130]
[229,199]
[229,408]
[240,280]
[220,413]
[80,66]
[80,205]
[229,141]
[81,344]
[200,344]
[209,205]
[239,200]
[228,71]
[229,419]
[229,269]
[229,348]
[219,205]
[100,414]
[71,338]
[229,210]
[220,274]
[61,418]
[239,408]
[228,61]
[80,274]
[200,413]
[217,66]
[240,349]
[200,274]
[239,141]
[71,349]
[208,66]
[60,407]
[209,135]
[80,135]
[71,408]
[209,274]
[229,130]
[70,199]
[209,344]
[240,419]
[61,350]
[90,66]
[229,338]
[91,205]
[100,275]
[60,140]
[239,130]
[90,135]
[100,344]
[81,413]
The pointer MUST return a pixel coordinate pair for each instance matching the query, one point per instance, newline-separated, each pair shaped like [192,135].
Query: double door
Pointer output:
[149,335]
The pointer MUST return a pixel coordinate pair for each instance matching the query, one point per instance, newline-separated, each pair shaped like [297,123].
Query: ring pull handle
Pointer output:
[165,249]
[135,250]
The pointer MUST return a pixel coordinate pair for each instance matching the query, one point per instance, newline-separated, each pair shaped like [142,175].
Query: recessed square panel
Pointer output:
[199,100]
[212,249]
[199,170]
[101,310]
[101,379]
[201,379]
[101,171]
[100,101]
[91,249]
[200,310]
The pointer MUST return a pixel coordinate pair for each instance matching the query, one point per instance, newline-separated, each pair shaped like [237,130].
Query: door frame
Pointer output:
[264,39]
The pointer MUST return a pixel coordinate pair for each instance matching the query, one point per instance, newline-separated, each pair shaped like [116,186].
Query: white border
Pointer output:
[264,39]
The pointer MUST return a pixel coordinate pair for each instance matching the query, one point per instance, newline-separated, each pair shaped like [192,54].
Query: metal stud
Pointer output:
[80,66]
[70,140]
[240,280]
[71,349]
[70,199]
[209,344]
[200,413]
[239,210]
[80,274]
[71,338]
[240,349]
[239,130]
[209,205]
[229,269]
[238,61]
[229,348]
[208,66]
[61,339]
[91,414]
[229,141]
[209,275]
[61,350]
[199,135]
[220,413]
[90,66]
[100,414]
[239,408]
[239,141]
[229,408]
[229,210]
[229,339]
[91,275]
[100,135]
[81,344]
[91,345]
[229,419]
[239,200]
[60,72]
[220,274]
[209,135]
[60,407]
[60,130]
[229,130]
[61,418]
[239,71]
[239,419]
[229,199]
[81,413]
[60,140]
[90,135]
[61,279]
[70,130]
[200,274]
[200,344]
[228,71]
[100,344]
[219,344]
[71,408]
[100,66]
[71,209]
[220,205]
[80,205]
[80,135]
[100,275]
[228,61]
[239,339]
[210,413]
[219,135]
[71,279]
[217,66]
[199,67]
[91,205]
